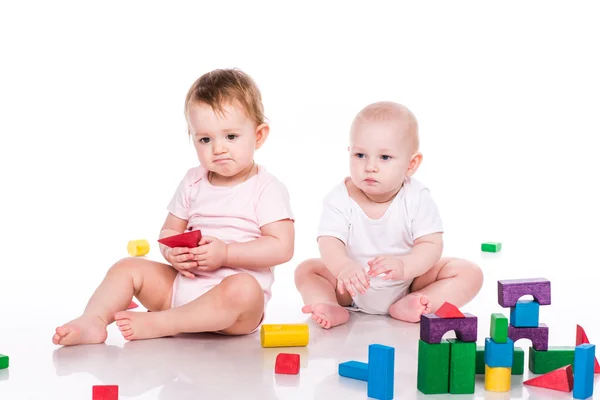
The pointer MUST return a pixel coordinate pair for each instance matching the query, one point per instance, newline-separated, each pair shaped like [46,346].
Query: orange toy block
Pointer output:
[560,379]
[448,310]
[581,338]
[132,305]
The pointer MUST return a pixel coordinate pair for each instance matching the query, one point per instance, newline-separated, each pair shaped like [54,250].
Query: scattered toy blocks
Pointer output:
[537,335]
[491,247]
[480,360]
[188,239]
[499,354]
[433,367]
[284,335]
[581,338]
[542,362]
[560,379]
[380,382]
[499,328]
[462,367]
[138,248]
[105,392]
[286,363]
[583,380]
[509,291]
[497,379]
[518,367]
[434,327]
[355,370]
[525,314]
[4,361]
[448,310]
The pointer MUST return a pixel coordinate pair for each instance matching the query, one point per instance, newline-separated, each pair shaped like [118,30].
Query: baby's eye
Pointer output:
[386,158]
[204,140]
[359,155]
[231,136]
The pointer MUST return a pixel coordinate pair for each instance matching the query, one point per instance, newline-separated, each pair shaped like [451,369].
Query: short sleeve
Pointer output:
[273,203]
[179,205]
[426,218]
[335,217]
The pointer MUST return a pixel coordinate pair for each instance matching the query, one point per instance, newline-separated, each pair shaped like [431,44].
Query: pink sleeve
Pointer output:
[273,203]
[179,205]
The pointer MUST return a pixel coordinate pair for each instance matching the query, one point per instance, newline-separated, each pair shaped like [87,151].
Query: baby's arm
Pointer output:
[426,252]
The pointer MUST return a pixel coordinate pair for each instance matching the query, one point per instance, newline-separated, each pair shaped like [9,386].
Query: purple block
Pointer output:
[537,335]
[509,291]
[434,327]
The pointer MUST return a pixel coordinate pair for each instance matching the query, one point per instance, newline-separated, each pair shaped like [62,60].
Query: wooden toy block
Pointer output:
[132,305]
[448,310]
[499,328]
[4,361]
[462,367]
[560,379]
[518,366]
[583,379]
[433,367]
[138,248]
[188,239]
[380,382]
[542,362]
[526,314]
[286,363]
[480,360]
[538,335]
[284,335]
[499,354]
[497,379]
[105,392]
[509,291]
[581,338]
[355,370]
[491,247]
[434,327]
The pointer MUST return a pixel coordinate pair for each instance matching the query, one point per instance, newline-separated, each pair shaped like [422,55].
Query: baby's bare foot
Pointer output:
[410,307]
[141,325]
[83,330]
[327,315]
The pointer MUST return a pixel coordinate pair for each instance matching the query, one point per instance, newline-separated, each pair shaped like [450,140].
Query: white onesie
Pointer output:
[411,214]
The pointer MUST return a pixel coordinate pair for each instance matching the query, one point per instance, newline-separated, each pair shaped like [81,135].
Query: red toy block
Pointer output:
[559,379]
[581,338]
[133,304]
[105,392]
[287,363]
[187,239]
[448,310]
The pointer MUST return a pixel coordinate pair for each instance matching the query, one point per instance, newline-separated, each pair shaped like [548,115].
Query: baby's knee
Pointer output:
[471,271]
[307,268]
[242,288]
[127,264]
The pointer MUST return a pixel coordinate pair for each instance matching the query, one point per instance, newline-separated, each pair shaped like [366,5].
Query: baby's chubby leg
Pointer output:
[235,306]
[454,280]
[318,289]
[151,282]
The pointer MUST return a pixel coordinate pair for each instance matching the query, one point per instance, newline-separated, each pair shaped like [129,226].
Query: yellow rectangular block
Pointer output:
[497,379]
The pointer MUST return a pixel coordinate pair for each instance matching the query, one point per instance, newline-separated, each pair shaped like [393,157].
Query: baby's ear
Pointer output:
[262,132]
[415,162]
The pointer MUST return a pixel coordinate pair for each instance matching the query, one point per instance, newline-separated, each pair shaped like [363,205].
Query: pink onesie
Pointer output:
[229,213]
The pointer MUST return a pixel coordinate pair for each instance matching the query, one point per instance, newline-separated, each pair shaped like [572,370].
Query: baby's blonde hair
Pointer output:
[227,86]
[390,111]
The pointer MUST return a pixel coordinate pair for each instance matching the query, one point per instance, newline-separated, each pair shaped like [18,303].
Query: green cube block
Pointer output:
[499,328]
[462,367]
[491,247]
[433,368]
[518,366]
[3,361]
[541,362]
[480,360]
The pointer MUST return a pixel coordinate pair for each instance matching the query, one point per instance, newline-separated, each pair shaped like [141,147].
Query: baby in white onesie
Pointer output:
[380,234]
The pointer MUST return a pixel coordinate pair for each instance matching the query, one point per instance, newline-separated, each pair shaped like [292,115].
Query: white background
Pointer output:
[93,139]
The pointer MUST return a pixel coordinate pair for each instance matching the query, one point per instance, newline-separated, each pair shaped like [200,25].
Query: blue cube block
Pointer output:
[583,371]
[499,354]
[526,314]
[380,384]
[354,370]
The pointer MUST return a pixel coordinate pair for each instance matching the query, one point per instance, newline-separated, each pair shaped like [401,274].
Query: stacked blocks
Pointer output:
[518,363]
[583,379]
[378,372]
[447,366]
[498,355]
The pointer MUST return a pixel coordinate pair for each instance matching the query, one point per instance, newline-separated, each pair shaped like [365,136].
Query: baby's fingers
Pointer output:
[356,283]
[364,279]
[340,286]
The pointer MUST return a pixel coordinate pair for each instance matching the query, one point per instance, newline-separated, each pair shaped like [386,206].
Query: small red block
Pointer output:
[448,310]
[560,379]
[581,338]
[132,305]
[105,392]
[187,239]
[287,363]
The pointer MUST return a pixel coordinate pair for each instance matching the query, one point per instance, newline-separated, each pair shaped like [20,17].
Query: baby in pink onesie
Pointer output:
[243,211]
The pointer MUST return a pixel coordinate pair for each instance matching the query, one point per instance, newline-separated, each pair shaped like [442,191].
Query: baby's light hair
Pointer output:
[227,86]
[390,111]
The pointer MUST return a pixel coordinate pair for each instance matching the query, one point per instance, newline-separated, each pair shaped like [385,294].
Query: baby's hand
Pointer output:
[391,266]
[352,276]
[181,259]
[210,254]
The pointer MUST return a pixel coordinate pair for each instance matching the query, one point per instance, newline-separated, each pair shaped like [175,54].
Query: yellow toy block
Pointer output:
[284,335]
[497,379]
[137,248]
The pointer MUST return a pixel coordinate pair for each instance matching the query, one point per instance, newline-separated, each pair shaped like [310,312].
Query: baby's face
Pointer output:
[225,144]
[380,155]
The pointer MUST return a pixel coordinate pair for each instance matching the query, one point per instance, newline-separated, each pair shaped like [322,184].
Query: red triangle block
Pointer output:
[132,305]
[448,310]
[560,379]
[581,338]
[187,239]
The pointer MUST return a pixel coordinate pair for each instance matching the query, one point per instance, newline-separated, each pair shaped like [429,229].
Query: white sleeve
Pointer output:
[426,218]
[335,217]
